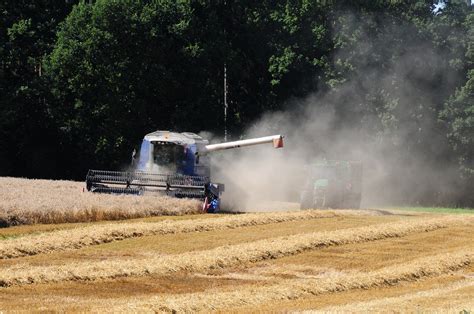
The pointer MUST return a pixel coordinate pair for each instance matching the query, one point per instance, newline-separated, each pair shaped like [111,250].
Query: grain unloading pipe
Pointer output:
[277,141]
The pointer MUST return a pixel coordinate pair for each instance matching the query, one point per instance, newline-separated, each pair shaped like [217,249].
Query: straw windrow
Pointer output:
[384,303]
[94,235]
[221,257]
[294,289]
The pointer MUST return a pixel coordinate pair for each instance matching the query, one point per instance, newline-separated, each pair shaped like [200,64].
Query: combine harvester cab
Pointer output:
[173,164]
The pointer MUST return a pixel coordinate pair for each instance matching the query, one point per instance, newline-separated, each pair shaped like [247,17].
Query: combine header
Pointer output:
[173,164]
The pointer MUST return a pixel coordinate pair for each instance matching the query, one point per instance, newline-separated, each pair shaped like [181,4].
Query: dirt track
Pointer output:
[318,260]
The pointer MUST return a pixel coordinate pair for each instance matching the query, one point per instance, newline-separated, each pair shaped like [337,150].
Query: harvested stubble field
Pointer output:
[341,260]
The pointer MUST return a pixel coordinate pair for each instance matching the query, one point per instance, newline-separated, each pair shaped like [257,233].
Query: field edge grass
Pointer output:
[439,210]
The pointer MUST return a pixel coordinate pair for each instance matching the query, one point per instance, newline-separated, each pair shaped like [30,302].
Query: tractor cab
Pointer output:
[332,184]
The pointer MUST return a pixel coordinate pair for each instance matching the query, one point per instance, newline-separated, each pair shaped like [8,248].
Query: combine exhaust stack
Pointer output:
[173,164]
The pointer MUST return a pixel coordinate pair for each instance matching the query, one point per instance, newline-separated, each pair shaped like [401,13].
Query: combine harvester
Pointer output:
[173,164]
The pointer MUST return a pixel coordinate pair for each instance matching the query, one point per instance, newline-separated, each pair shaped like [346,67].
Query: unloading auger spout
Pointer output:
[277,141]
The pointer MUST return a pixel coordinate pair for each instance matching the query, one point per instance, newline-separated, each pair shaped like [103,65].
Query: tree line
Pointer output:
[81,82]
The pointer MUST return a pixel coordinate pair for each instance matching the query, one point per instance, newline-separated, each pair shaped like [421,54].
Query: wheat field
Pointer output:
[51,202]
[303,261]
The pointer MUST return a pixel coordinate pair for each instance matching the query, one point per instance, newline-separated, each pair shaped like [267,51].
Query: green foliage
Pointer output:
[27,34]
[459,115]
[121,69]
[458,111]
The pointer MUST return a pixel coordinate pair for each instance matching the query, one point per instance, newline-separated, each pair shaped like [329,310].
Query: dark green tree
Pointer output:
[458,111]
[393,67]
[275,51]
[28,144]
[124,68]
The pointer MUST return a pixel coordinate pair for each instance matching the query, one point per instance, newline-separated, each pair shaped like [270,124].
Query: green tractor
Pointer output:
[332,184]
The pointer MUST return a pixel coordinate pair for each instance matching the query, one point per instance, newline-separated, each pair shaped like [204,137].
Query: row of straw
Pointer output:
[299,288]
[93,235]
[220,257]
[381,304]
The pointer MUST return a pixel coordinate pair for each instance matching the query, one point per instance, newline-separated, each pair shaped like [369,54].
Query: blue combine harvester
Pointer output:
[173,164]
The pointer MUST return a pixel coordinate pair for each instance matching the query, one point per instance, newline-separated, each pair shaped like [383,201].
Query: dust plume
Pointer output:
[385,117]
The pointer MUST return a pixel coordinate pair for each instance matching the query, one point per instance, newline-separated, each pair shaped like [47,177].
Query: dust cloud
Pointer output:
[405,156]
[392,176]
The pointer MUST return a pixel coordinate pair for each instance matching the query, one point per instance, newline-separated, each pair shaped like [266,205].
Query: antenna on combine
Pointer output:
[225,102]
[225,76]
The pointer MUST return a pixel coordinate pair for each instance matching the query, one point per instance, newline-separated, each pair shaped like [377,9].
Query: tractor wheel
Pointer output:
[306,201]
[320,202]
